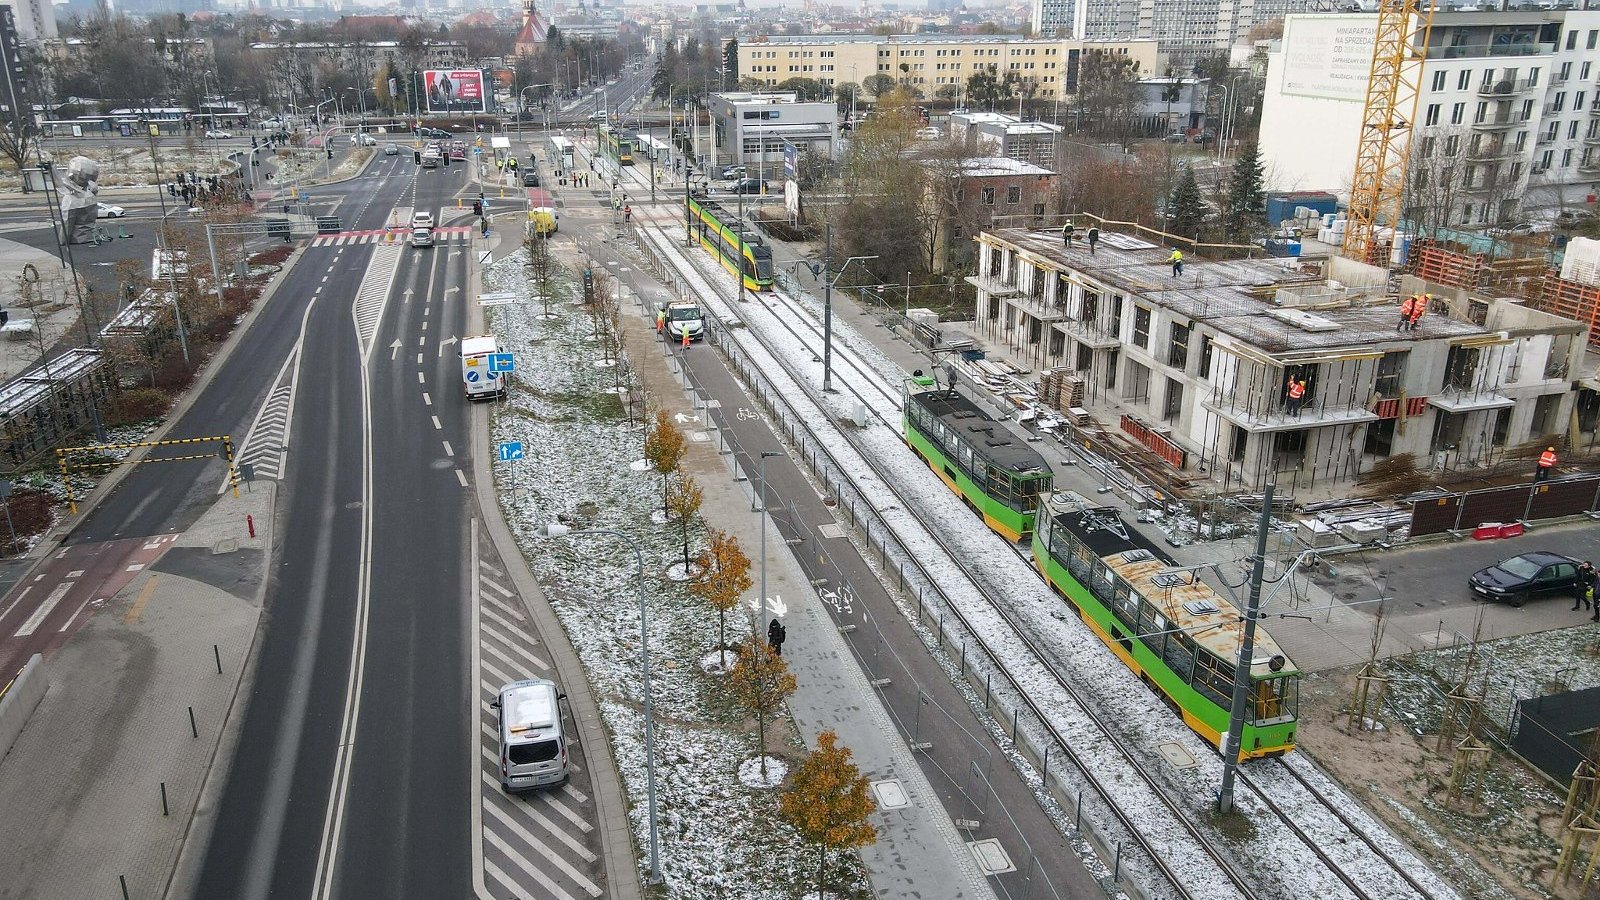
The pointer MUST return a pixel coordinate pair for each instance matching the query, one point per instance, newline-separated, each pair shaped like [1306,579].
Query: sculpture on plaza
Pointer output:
[79,203]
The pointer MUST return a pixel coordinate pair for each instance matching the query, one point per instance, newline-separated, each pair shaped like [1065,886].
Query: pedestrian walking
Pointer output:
[1297,395]
[1094,238]
[776,634]
[1068,233]
[685,338]
[1583,588]
[1177,262]
[1547,461]
[661,320]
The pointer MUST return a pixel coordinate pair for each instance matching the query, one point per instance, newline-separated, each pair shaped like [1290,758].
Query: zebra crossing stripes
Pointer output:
[266,444]
[445,235]
[541,844]
[373,294]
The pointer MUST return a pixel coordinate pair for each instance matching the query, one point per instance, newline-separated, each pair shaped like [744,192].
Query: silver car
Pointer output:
[533,745]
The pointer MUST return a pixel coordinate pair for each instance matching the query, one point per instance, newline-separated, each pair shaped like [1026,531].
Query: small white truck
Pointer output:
[476,378]
[684,317]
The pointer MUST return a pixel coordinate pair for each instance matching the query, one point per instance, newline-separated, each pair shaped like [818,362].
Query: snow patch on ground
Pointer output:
[718,838]
[750,773]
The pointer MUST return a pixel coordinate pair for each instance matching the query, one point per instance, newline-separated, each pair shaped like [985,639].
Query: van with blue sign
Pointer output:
[477,376]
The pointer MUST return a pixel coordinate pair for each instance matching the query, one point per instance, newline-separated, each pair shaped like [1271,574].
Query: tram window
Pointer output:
[1179,655]
[966,457]
[1082,561]
[1124,602]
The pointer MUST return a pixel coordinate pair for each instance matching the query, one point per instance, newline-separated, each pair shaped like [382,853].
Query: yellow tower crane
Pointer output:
[1376,189]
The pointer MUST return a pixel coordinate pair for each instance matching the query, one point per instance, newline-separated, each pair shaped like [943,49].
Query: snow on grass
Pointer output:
[1276,861]
[718,837]
[751,776]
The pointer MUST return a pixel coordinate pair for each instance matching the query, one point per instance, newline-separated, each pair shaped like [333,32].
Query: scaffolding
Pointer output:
[43,405]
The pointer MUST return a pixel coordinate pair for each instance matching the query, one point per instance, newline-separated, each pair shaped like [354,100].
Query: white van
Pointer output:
[476,378]
[533,746]
[684,317]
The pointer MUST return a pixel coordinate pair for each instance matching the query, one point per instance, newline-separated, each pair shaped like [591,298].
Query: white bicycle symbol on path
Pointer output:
[746,414]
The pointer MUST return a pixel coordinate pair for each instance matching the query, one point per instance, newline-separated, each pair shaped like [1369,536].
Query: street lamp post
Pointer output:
[1241,667]
[557,530]
[827,301]
[761,468]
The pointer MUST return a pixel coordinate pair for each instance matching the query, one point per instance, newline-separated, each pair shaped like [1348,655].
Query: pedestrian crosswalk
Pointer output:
[540,844]
[447,234]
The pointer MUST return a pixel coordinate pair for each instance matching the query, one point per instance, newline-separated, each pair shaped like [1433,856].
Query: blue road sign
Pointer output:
[508,451]
[472,374]
[500,363]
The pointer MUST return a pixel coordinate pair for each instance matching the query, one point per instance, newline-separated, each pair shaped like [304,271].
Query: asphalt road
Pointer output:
[403,780]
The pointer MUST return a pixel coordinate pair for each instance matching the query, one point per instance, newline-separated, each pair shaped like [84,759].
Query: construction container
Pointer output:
[1282,204]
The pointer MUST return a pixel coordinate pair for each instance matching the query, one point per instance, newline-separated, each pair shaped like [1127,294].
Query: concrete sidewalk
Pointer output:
[53,309]
[919,852]
[83,786]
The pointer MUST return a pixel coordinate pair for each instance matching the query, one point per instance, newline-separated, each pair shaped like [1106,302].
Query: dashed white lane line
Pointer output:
[449,450]
[461,477]
[419,359]
[427,399]
[49,604]
[436,425]
[422,340]
[420,379]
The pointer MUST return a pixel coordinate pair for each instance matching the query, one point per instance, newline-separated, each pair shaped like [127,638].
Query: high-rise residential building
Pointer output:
[36,19]
[14,110]
[1184,30]
[932,63]
[1508,112]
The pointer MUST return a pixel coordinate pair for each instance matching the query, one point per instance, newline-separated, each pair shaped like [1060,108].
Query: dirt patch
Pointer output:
[1500,842]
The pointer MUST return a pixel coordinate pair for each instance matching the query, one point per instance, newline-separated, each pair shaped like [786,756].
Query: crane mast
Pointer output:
[1378,185]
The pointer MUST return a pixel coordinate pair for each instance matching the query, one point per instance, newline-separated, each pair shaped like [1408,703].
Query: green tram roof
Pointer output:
[751,237]
[987,437]
[1186,601]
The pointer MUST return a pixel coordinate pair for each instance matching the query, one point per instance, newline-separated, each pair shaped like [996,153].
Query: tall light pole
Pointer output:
[761,467]
[557,530]
[827,301]
[1241,667]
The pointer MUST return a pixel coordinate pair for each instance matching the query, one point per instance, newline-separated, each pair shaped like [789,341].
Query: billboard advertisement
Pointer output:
[454,90]
[1329,57]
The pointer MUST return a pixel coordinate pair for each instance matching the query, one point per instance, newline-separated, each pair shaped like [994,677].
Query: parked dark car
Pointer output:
[1522,578]
[748,186]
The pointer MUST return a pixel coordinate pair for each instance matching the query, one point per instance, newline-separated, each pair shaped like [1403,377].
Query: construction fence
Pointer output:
[1567,496]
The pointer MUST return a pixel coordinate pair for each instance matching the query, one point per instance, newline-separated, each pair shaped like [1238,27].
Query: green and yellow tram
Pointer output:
[739,250]
[1176,633]
[1000,478]
[618,145]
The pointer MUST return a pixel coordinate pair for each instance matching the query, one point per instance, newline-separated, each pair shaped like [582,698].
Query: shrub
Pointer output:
[137,405]
[31,514]
[272,256]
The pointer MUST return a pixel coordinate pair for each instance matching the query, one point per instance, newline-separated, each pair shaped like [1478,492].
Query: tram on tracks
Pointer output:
[1167,625]
[1158,618]
[617,145]
[736,247]
[1001,479]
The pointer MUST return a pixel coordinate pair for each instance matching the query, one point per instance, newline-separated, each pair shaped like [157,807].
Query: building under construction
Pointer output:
[1206,361]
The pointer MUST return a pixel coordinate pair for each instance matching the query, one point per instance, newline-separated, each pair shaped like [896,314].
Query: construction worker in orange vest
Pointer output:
[1547,461]
[1406,306]
[685,338]
[661,319]
[1297,395]
[1419,307]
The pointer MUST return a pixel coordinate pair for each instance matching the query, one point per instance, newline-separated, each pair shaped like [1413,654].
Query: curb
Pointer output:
[63,530]
[611,806]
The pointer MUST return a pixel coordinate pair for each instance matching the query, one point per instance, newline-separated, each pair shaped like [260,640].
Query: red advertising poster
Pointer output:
[454,90]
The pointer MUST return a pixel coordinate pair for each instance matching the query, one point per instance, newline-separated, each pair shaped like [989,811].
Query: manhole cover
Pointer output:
[700,437]
[991,857]
[830,531]
[1175,754]
[890,794]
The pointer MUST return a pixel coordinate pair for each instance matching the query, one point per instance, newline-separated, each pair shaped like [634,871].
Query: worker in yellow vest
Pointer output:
[1547,461]
[1177,262]
[661,319]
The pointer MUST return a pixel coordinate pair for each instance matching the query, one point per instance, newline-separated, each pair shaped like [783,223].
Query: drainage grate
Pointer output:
[1174,753]
[830,531]
[992,858]
[890,794]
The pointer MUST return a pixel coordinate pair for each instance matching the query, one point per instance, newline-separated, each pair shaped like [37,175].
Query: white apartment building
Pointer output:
[998,134]
[750,129]
[931,62]
[1514,97]
[1202,362]
[36,20]
[1185,30]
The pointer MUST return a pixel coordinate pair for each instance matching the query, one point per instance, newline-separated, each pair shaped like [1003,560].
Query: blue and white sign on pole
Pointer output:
[501,363]
[508,451]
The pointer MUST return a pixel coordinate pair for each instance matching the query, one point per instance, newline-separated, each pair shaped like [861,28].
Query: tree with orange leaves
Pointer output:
[761,682]
[664,447]
[828,803]
[724,577]
[683,501]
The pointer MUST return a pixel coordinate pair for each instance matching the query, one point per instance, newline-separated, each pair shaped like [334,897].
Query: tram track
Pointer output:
[1155,856]
[1353,874]
[1327,809]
